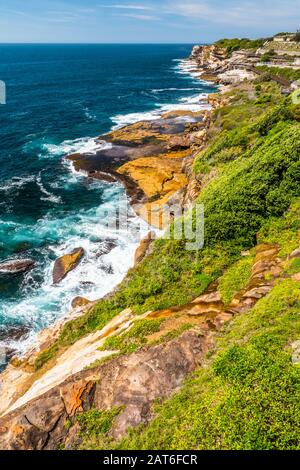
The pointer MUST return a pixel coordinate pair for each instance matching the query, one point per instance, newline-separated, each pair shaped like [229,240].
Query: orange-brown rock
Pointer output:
[74,395]
[79,302]
[159,178]
[266,268]
[66,263]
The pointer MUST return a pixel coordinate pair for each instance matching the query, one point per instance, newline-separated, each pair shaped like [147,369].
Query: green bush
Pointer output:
[272,117]
[250,190]
[235,278]
[236,44]
[95,426]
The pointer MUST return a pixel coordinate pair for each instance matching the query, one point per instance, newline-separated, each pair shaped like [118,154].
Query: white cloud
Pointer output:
[139,17]
[237,14]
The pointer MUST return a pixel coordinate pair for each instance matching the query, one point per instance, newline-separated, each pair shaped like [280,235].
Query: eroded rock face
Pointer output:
[66,263]
[16,266]
[143,247]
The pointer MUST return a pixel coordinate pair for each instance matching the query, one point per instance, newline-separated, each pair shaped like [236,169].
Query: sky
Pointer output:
[144,21]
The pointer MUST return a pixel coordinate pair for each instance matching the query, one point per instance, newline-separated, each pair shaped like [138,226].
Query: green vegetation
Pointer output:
[284,72]
[268,56]
[133,339]
[235,278]
[252,188]
[284,231]
[95,426]
[248,396]
[235,44]
[293,266]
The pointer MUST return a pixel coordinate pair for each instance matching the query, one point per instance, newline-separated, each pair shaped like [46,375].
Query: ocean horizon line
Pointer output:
[101,43]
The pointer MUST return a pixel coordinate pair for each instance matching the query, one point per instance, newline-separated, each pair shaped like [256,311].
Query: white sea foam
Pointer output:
[161,90]
[97,274]
[89,115]
[16,182]
[193,103]
[189,68]
[81,145]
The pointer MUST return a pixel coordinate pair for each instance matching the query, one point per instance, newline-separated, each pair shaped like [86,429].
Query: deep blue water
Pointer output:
[58,98]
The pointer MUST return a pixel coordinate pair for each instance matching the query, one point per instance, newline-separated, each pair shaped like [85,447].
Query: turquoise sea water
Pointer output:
[59,97]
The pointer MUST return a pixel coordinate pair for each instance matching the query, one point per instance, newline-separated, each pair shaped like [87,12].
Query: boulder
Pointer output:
[16,266]
[143,247]
[66,263]
[79,302]
[177,142]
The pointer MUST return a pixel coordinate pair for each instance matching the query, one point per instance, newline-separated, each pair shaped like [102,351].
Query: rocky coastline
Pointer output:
[154,161]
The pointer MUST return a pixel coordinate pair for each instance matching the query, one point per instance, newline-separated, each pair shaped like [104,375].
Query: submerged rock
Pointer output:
[66,263]
[16,266]
[106,246]
[13,332]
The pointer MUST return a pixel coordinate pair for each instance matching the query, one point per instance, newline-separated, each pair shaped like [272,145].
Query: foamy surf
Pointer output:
[109,254]
[81,145]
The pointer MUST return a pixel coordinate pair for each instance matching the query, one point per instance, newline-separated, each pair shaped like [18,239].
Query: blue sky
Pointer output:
[189,21]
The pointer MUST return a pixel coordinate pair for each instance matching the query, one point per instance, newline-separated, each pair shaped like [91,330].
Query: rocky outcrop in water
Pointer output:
[16,266]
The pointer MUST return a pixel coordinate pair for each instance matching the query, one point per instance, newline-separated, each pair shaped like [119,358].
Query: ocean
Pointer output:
[59,98]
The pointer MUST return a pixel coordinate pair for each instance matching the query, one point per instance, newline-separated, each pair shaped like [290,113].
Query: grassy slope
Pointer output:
[256,160]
